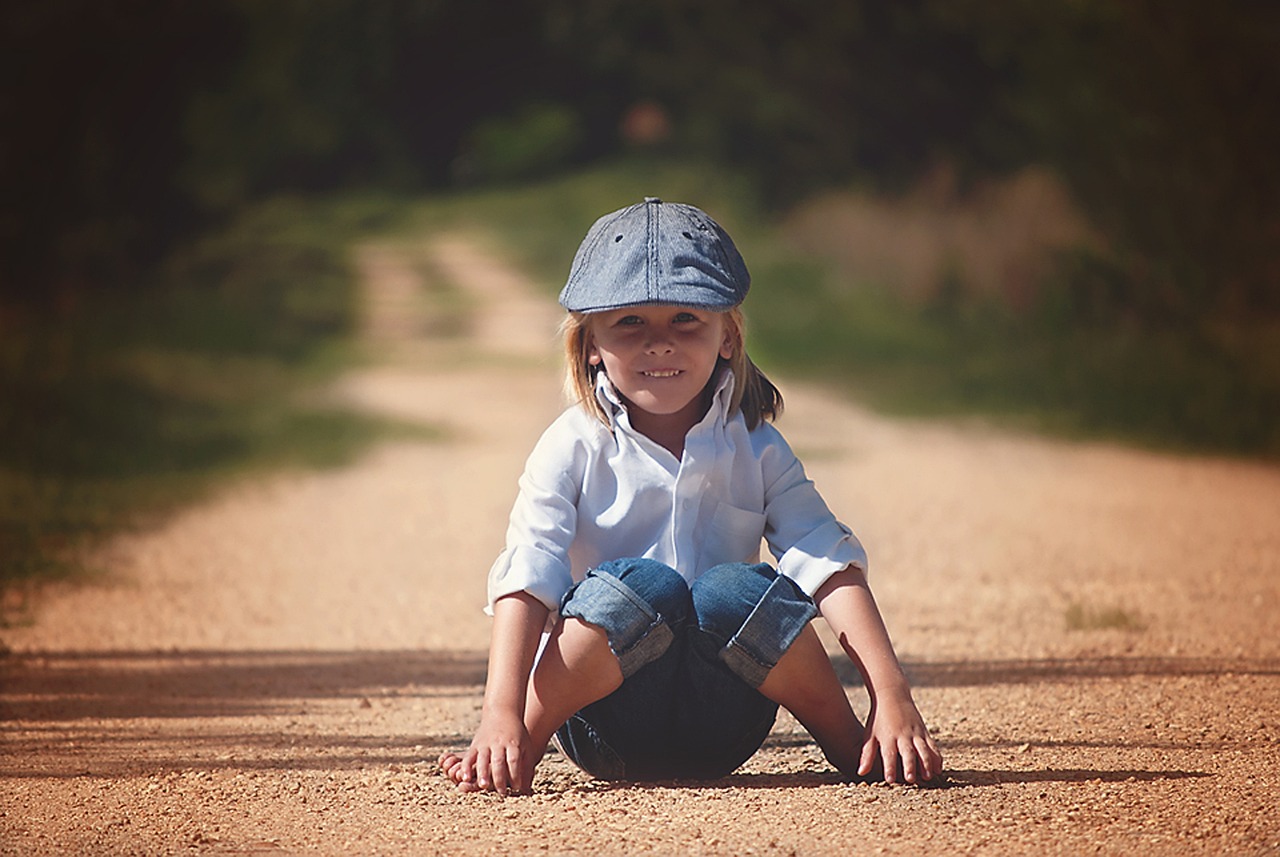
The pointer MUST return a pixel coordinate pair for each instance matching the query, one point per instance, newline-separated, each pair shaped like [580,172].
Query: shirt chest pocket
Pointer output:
[733,536]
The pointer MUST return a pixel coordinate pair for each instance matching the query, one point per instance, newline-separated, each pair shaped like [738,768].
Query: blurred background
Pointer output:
[1062,215]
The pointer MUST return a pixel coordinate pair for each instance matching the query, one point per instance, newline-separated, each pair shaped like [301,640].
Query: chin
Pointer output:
[657,408]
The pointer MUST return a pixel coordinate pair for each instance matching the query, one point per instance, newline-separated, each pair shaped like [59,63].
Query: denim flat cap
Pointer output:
[656,252]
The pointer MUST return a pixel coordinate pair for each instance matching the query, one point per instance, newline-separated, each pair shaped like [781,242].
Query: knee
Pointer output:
[750,615]
[657,584]
[724,596]
[640,604]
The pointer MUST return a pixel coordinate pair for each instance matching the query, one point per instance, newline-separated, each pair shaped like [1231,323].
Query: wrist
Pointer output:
[893,692]
[502,706]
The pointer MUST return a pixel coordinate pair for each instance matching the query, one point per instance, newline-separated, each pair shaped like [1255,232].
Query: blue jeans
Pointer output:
[692,659]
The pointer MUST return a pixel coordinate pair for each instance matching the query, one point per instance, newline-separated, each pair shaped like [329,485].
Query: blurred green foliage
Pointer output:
[154,309]
[1043,368]
[806,93]
[539,139]
[132,123]
[117,410]
[1160,115]
[540,223]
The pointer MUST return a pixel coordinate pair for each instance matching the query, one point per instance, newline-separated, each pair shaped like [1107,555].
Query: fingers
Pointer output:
[467,768]
[500,770]
[910,760]
[486,776]
[889,758]
[867,762]
[518,777]
[919,757]
[930,756]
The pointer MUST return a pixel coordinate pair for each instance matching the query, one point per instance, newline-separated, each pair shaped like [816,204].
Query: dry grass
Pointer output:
[998,239]
[1082,617]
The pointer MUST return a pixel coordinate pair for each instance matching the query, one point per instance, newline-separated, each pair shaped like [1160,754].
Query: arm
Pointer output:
[894,731]
[524,585]
[501,757]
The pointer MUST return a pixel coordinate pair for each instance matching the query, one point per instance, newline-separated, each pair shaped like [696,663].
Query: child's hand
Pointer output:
[896,732]
[500,759]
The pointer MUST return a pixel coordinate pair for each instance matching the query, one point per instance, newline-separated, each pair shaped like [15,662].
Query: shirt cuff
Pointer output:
[827,550]
[528,569]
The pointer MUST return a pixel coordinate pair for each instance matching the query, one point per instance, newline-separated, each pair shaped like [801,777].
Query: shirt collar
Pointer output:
[611,400]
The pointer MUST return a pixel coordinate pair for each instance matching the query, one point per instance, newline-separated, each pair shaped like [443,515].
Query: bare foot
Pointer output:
[451,766]
[448,761]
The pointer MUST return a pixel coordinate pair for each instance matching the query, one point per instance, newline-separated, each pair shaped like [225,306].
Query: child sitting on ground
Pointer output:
[635,539]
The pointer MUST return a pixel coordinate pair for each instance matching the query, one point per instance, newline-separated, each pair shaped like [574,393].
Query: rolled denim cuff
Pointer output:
[637,634]
[769,630]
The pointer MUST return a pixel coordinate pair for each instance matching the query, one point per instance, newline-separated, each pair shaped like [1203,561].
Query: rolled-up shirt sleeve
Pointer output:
[543,522]
[807,540]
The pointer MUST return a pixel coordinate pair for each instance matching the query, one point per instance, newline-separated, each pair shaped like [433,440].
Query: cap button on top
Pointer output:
[652,199]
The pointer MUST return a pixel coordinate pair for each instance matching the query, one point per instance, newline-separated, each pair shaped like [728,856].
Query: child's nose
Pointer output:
[659,342]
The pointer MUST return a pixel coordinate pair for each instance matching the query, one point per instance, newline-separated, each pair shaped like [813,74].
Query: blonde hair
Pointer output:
[753,393]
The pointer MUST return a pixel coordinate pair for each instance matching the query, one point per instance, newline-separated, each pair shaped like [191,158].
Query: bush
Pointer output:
[126,405]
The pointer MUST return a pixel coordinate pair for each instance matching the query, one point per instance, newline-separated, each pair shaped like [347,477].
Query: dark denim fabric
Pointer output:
[691,661]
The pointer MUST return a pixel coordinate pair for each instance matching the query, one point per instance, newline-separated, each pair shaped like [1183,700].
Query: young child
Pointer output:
[635,541]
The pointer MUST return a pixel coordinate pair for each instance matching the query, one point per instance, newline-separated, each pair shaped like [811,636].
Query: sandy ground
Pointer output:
[1091,631]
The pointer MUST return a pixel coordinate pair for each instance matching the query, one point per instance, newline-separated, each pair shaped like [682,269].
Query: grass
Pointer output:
[1080,617]
[1047,350]
[122,407]
[1168,389]
[540,224]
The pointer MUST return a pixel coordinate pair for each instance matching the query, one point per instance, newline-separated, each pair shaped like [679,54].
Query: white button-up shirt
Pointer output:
[591,493]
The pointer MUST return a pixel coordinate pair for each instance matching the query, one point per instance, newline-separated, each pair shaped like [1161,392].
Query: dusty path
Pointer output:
[1091,631]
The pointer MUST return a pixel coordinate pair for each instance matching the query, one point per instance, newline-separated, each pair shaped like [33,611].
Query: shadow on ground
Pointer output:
[70,686]
[1037,670]
[135,712]
[66,715]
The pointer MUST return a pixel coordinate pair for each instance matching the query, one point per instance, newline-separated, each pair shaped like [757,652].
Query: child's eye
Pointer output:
[684,318]
[628,320]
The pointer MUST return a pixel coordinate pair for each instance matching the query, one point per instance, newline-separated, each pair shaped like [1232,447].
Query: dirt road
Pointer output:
[1091,631]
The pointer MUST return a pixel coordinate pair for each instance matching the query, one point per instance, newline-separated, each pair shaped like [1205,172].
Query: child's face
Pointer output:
[659,357]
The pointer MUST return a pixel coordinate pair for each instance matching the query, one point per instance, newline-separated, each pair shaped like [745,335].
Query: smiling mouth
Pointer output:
[661,373]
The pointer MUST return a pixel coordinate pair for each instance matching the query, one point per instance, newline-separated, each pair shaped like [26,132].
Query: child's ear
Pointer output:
[726,347]
[593,354]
